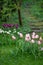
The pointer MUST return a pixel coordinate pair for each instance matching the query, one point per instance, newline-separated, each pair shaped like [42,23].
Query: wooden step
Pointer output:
[41,27]
[37,30]
[36,26]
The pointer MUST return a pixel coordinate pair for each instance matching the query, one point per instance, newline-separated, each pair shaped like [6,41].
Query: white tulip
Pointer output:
[18,33]
[13,37]
[32,41]
[42,49]
[8,32]
[21,35]
[27,35]
[40,38]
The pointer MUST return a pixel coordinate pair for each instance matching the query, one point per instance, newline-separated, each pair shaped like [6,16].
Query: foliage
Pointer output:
[7,7]
[22,44]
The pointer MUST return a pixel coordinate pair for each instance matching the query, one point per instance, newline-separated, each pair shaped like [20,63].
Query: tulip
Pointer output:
[21,35]
[27,35]
[33,36]
[26,39]
[39,42]
[1,31]
[13,37]
[40,38]
[37,36]
[33,33]
[18,33]
[42,49]
[8,32]
[32,41]
[5,31]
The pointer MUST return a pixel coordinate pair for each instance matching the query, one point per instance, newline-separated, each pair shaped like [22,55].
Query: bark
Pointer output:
[19,16]
[19,13]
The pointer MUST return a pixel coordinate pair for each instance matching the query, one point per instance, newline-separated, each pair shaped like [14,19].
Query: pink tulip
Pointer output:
[39,42]
[33,33]
[33,36]
[37,36]
[27,37]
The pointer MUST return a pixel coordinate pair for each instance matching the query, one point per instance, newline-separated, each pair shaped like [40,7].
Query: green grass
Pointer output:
[7,57]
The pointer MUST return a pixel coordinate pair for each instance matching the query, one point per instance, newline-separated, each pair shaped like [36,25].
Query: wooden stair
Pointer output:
[36,26]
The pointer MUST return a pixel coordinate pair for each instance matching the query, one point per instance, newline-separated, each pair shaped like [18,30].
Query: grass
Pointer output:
[7,57]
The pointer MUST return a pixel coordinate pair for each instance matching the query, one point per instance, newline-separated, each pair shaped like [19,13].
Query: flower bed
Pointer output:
[31,43]
[10,25]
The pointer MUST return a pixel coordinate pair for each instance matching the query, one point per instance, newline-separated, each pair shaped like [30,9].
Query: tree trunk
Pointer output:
[19,16]
[19,12]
